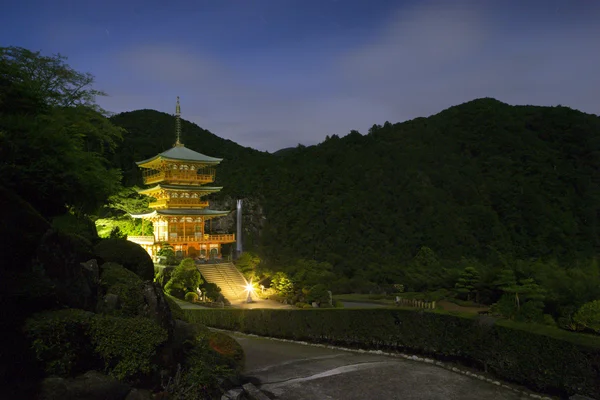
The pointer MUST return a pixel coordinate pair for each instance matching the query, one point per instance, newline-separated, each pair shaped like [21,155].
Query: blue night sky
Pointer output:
[274,73]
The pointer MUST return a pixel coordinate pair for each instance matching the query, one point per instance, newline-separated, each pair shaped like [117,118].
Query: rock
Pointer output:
[253,392]
[139,394]
[156,306]
[92,385]
[233,394]
[315,304]
[111,303]
[63,259]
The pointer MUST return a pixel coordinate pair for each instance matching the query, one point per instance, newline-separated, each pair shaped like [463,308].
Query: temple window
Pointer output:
[174,195]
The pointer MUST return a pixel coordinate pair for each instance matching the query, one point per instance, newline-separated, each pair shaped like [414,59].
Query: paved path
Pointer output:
[293,371]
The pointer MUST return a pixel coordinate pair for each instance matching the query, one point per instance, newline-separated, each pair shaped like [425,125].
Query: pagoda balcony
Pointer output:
[179,176]
[181,203]
[223,238]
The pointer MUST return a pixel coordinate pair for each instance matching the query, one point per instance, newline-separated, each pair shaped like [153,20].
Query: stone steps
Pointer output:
[227,277]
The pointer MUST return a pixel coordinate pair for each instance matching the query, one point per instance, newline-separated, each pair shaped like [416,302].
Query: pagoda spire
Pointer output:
[178,124]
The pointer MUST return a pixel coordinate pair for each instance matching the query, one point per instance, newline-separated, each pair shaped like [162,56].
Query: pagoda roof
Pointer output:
[181,187]
[182,153]
[184,212]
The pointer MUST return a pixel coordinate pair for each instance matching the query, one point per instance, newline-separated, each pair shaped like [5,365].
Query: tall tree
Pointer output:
[54,139]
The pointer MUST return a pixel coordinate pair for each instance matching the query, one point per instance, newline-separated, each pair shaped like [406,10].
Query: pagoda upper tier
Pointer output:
[179,196]
[180,166]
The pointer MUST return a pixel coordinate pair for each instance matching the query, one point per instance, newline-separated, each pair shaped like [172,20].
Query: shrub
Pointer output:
[228,347]
[164,275]
[541,357]
[300,304]
[191,296]
[119,281]
[60,341]
[185,278]
[211,290]
[127,345]
[80,225]
[589,316]
[130,255]
[319,294]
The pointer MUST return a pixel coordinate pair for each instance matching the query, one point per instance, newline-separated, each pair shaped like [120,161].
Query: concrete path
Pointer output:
[293,371]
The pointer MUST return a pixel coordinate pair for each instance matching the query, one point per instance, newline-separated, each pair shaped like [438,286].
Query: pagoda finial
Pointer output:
[178,124]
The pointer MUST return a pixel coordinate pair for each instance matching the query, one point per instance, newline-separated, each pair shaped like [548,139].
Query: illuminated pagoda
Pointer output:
[180,211]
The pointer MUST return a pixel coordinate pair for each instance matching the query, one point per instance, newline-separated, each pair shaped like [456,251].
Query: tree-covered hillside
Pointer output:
[481,179]
[150,132]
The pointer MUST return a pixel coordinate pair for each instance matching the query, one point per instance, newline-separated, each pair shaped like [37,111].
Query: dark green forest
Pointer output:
[481,185]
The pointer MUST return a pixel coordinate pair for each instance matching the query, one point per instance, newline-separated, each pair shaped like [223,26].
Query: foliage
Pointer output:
[164,275]
[127,345]
[125,224]
[247,264]
[503,187]
[318,294]
[191,297]
[117,280]
[468,282]
[185,278]
[589,316]
[538,356]
[60,341]
[211,290]
[282,284]
[166,251]
[130,255]
[77,224]
[54,141]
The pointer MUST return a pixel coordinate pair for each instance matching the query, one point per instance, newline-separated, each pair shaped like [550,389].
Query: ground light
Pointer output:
[250,289]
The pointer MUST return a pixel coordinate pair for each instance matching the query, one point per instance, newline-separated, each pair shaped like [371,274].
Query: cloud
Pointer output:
[437,55]
[420,61]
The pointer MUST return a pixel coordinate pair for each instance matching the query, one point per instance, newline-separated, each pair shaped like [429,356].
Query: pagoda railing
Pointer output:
[141,239]
[184,176]
[164,203]
[223,238]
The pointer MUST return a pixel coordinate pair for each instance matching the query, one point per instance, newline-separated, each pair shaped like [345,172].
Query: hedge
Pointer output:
[545,359]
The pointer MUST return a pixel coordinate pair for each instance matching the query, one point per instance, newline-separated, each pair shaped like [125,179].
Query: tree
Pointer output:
[185,278]
[47,79]
[247,264]
[53,139]
[468,282]
[589,316]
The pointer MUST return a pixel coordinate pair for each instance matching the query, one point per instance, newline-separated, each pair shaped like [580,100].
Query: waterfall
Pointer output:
[239,228]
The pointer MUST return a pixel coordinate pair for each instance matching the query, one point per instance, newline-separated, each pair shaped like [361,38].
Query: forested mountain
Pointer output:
[150,132]
[477,180]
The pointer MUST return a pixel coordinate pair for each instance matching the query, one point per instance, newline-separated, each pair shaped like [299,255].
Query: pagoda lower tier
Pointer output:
[184,230]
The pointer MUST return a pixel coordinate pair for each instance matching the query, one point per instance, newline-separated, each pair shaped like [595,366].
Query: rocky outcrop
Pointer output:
[156,306]
[252,214]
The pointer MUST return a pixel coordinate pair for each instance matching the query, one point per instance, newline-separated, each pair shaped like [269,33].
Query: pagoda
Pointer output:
[180,179]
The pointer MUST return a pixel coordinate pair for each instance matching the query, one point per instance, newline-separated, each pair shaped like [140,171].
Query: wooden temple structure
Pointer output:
[180,179]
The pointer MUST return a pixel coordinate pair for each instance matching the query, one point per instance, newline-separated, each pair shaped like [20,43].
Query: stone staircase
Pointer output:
[227,277]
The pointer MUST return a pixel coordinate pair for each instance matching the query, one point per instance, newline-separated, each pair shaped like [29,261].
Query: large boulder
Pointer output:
[128,254]
[20,232]
[67,260]
[125,294]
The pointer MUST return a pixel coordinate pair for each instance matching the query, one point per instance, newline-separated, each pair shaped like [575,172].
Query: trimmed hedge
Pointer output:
[130,255]
[542,358]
